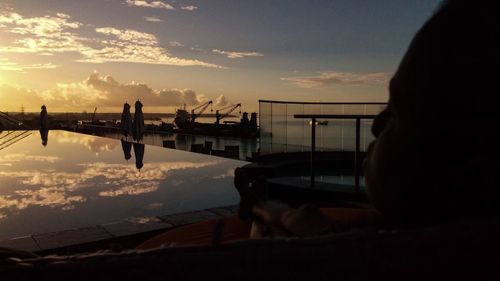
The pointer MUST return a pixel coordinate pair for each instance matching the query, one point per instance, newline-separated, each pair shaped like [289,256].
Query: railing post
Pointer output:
[356,154]
[313,148]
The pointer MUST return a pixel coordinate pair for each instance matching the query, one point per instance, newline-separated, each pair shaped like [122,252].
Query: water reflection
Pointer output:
[183,142]
[139,154]
[82,180]
[63,189]
[91,143]
[127,149]
[44,134]
[18,157]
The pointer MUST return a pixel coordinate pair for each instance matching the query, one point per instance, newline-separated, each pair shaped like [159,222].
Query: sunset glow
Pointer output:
[77,55]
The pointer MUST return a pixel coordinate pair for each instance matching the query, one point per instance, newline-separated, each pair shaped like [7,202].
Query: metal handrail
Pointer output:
[357,117]
[12,120]
[14,140]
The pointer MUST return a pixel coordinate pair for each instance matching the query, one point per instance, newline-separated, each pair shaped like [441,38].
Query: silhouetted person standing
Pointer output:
[44,119]
[44,125]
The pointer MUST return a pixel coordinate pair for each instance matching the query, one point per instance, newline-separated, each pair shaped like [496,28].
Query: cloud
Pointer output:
[221,101]
[150,4]
[106,91]
[58,189]
[130,36]
[189,8]
[12,95]
[176,44]
[14,66]
[137,189]
[56,34]
[327,78]
[137,47]
[237,55]
[153,19]
[17,157]
[41,34]
[46,26]
[76,94]
[96,89]
[46,196]
[179,97]
[96,145]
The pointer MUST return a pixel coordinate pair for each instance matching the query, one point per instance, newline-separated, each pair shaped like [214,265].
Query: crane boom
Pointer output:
[203,108]
[230,109]
[93,115]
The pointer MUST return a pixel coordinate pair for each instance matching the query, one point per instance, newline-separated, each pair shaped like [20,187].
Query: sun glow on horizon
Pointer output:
[175,54]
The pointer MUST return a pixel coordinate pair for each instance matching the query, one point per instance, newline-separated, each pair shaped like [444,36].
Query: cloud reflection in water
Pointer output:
[49,188]
[90,142]
[81,180]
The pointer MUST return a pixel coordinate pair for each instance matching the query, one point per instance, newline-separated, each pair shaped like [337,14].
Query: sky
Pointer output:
[75,55]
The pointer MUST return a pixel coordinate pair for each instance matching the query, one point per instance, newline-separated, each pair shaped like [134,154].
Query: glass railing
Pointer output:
[341,129]
[282,132]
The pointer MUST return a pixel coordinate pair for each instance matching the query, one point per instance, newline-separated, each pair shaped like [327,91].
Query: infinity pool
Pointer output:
[80,180]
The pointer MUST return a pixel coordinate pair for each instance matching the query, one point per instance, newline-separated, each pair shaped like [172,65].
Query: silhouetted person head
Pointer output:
[436,156]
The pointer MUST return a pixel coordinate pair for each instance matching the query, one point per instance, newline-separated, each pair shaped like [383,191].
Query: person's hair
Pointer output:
[453,107]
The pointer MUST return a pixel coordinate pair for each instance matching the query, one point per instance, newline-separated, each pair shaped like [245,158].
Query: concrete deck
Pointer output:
[128,227]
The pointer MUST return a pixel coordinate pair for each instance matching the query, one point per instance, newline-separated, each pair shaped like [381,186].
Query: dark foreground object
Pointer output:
[457,251]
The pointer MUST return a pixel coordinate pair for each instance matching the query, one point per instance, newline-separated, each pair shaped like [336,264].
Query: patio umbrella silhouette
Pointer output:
[139,154]
[127,149]
[126,121]
[138,130]
[44,134]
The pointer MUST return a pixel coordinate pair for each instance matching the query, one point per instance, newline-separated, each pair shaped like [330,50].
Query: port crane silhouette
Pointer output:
[202,109]
[229,108]
[93,115]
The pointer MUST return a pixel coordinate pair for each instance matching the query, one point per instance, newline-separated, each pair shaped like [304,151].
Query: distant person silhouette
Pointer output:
[44,125]
[44,118]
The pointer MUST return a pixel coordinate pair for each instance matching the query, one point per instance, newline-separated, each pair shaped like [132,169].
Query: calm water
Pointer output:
[247,146]
[184,142]
[80,180]
[295,135]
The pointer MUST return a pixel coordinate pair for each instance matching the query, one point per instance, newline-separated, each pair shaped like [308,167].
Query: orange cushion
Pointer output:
[201,233]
